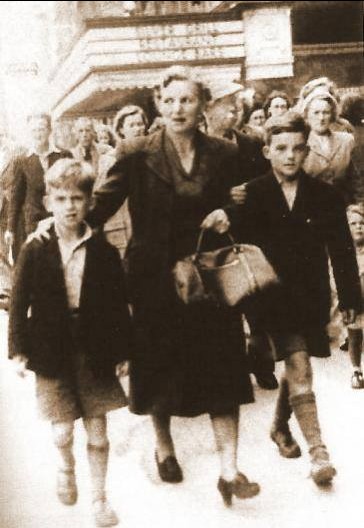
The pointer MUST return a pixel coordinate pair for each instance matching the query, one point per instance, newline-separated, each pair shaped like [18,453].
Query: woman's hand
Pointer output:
[20,365]
[217,221]
[42,231]
[349,316]
[9,238]
[238,194]
[122,369]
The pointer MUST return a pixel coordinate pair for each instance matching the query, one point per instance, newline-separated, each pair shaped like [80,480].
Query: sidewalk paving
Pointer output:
[288,498]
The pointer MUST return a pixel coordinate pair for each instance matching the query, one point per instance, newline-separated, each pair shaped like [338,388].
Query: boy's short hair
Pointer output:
[66,173]
[355,209]
[290,121]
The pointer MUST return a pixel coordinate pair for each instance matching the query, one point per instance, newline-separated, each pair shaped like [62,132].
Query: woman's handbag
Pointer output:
[229,274]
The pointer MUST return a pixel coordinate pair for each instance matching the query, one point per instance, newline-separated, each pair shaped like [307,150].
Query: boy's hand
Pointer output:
[349,316]
[217,221]
[122,369]
[42,231]
[238,194]
[20,365]
[9,238]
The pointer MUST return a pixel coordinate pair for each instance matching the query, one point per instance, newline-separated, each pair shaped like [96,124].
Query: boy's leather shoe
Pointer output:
[66,487]
[322,471]
[266,381]
[287,445]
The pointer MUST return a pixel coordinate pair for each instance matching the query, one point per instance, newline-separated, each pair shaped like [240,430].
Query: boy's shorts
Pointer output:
[286,344]
[313,341]
[82,394]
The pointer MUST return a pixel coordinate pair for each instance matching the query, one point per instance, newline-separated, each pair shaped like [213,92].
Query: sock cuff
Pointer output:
[98,449]
[299,399]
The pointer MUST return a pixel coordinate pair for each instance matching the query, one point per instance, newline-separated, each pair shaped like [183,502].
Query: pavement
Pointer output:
[288,497]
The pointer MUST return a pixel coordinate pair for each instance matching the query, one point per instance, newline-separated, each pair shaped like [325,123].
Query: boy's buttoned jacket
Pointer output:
[298,243]
[44,337]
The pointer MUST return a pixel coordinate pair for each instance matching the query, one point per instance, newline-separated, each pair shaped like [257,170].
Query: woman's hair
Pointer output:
[355,209]
[321,96]
[182,73]
[107,129]
[290,121]
[126,111]
[320,83]
[66,173]
[250,110]
[274,95]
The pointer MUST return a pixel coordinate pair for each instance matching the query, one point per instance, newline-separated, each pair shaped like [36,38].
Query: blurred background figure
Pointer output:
[105,137]
[276,104]
[330,152]
[86,148]
[323,85]
[254,121]
[27,187]
[5,261]
[130,122]
[352,110]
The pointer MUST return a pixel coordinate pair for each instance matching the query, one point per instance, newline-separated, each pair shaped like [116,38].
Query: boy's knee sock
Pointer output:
[98,459]
[283,409]
[305,410]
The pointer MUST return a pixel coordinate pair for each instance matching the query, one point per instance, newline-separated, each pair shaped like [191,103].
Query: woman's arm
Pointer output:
[110,196]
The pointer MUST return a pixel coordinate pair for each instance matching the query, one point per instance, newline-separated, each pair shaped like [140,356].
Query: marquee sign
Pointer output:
[193,41]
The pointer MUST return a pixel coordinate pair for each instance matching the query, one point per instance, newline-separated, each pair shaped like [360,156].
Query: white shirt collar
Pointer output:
[86,236]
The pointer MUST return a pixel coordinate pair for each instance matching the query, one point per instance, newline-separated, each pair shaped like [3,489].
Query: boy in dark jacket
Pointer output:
[298,221]
[70,324]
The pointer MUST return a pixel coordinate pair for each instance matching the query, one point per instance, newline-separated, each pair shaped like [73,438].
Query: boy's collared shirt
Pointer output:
[289,189]
[73,261]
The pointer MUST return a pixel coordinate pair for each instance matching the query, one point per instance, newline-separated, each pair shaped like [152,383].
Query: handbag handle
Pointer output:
[200,238]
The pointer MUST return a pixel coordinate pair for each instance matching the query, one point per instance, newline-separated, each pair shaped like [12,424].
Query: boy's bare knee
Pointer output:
[299,372]
[62,433]
[96,432]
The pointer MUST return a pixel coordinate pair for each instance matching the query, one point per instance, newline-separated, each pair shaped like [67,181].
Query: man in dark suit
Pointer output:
[298,221]
[27,188]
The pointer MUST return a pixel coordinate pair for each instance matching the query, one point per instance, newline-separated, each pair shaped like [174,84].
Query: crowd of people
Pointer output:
[96,232]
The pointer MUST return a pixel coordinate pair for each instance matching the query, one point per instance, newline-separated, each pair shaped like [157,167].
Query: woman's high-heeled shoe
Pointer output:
[169,470]
[240,487]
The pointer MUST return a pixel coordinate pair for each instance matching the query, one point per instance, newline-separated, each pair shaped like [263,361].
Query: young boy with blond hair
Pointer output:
[70,324]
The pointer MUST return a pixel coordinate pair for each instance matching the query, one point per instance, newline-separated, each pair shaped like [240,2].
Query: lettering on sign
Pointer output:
[21,68]
[190,42]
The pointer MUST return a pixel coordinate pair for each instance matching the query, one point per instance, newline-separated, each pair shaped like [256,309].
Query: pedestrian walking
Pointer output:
[78,335]
[298,221]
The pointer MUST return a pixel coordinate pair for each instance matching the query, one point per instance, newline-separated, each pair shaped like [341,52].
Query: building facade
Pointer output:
[106,54]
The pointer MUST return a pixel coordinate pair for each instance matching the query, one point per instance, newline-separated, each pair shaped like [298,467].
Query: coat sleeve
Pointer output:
[17,191]
[20,301]
[122,322]
[110,196]
[342,255]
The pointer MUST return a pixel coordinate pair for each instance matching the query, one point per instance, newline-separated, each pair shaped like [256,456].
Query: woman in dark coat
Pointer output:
[189,359]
